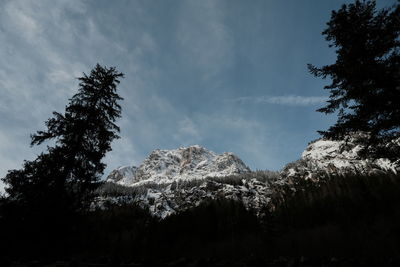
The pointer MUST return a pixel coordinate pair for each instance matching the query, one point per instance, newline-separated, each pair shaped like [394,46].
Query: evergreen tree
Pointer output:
[365,79]
[70,170]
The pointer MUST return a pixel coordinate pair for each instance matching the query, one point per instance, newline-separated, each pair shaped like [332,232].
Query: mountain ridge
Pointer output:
[171,181]
[184,163]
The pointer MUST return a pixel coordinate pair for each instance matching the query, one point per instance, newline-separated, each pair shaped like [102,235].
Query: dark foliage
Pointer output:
[365,85]
[45,197]
[219,228]
[353,218]
[70,170]
[345,216]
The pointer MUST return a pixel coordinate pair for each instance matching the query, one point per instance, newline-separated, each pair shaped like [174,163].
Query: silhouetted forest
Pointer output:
[353,218]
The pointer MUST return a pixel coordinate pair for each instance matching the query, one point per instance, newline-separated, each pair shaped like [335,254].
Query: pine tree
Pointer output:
[69,171]
[365,79]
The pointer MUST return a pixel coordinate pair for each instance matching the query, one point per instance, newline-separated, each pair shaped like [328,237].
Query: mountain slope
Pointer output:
[185,163]
[170,181]
[338,157]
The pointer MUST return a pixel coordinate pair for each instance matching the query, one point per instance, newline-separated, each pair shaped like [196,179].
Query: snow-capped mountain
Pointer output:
[169,181]
[185,163]
[337,157]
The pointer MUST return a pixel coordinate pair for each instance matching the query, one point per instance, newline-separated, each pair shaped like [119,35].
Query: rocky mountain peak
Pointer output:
[184,163]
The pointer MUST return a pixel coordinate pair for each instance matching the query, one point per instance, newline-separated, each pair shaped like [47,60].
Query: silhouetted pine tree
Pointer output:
[71,169]
[46,194]
[365,85]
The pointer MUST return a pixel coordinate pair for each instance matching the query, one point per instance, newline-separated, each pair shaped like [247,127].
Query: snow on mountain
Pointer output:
[123,175]
[253,189]
[337,157]
[170,181]
[185,163]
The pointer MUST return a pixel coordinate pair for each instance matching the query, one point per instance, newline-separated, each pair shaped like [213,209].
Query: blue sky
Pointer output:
[227,75]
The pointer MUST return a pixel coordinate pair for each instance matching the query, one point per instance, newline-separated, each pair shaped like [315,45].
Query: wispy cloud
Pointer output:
[203,38]
[290,100]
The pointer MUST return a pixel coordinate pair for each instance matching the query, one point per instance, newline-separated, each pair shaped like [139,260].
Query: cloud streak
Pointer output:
[288,100]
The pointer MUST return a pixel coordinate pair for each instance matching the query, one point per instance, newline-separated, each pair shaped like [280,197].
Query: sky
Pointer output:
[228,75]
